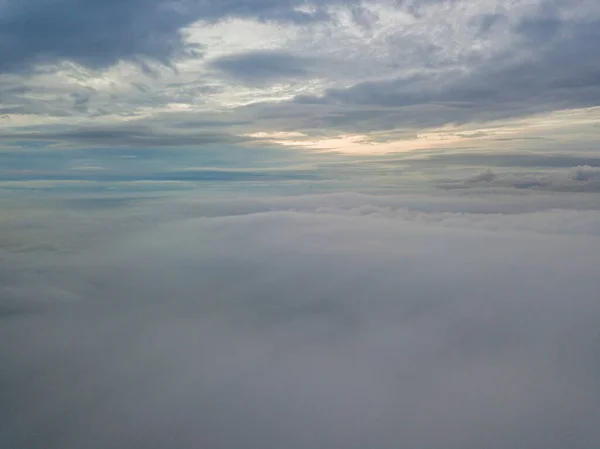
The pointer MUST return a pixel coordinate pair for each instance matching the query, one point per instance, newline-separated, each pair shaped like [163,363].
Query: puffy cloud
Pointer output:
[585,173]
[316,321]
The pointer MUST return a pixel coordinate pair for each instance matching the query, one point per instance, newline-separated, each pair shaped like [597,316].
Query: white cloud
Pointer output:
[333,321]
[585,173]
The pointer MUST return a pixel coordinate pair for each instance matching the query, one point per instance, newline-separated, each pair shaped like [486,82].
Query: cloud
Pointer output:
[315,323]
[576,179]
[129,135]
[98,35]
[324,68]
[547,69]
[81,100]
[511,159]
[486,176]
[260,67]
[585,173]
[90,33]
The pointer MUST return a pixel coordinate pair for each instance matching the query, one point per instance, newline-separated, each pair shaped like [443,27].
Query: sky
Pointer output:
[326,224]
[89,91]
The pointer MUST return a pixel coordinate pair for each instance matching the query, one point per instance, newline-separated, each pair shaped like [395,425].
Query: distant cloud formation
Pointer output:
[336,321]
[577,179]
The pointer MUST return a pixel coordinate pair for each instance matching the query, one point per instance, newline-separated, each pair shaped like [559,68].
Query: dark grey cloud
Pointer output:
[349,323]
[200,123]
[12,98]
[555,67]
[485,23]
[98,34]
[259,67]
[139,136]
[81,100]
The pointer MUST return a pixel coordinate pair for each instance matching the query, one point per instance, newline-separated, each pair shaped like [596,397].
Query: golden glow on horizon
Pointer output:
[447,136]
[560,126]
[363,144]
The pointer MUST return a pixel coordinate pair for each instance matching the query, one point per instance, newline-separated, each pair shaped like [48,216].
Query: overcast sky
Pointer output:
[352,76]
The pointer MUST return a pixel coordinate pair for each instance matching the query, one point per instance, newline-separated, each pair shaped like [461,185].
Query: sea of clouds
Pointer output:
[340,321]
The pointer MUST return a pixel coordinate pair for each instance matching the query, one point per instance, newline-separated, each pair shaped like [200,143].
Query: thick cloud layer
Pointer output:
[99,34]
[335,321]
[380,68]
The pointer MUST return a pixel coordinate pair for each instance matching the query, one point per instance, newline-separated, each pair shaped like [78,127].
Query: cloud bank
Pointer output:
[324,321]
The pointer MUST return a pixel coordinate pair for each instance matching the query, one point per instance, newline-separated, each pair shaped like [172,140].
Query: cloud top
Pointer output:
[322,321]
